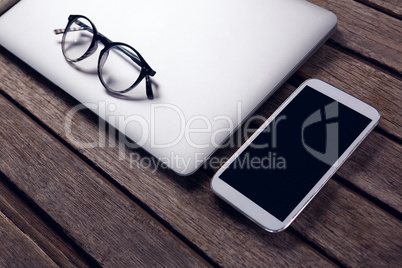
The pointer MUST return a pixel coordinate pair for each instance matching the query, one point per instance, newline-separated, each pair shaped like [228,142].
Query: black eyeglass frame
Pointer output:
[146,70]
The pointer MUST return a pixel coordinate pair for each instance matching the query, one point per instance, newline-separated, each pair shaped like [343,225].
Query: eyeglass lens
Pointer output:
[120,65]
[77,39]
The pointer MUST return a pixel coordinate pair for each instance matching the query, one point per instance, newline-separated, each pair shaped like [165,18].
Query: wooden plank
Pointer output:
[367,31]
[108,226]
[33,226]
[375,167]
[151,183]
[197,193]
[17,249]
[190,184]
[361,80]
[392,7]
[200,192]
[187,204]
[351,229]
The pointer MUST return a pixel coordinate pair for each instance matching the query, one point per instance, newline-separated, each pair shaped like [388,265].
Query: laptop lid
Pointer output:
[215,63]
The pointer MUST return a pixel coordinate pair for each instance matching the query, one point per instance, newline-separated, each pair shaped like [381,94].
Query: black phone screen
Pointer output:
[294,151]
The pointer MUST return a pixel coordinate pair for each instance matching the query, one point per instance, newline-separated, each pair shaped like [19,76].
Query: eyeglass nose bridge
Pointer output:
[103,57]
[91,50]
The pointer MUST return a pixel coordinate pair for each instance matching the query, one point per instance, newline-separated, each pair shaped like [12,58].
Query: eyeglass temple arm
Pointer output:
[148,84]
[61,31]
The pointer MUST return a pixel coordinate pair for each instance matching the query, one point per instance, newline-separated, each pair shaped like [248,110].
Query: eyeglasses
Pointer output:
[120,67]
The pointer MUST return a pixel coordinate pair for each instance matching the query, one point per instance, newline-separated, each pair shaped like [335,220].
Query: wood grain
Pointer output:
[392,7]
[351,229]
[375,167]
[111,228]
[18,250]
[33,226]
[186,203]
[362,80]
[367,32]
[363,59]
[163,192]
[198,186]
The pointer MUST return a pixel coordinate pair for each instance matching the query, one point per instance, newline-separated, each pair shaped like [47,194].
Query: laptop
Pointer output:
[216,62]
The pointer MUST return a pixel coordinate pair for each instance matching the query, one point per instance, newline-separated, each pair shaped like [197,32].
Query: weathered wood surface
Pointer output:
[393,7]
[18,250]
[122,172]
[197,219]
[362,80]
[367,32]
[27,219]
[355,221]
[351,229]
[100,219]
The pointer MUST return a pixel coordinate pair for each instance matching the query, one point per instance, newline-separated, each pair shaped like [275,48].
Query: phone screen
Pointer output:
[278,169]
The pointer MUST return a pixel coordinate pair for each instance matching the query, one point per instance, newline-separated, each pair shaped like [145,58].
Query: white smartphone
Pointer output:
[283,165]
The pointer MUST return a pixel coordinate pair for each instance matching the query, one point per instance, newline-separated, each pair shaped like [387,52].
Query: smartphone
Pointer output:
[283,165]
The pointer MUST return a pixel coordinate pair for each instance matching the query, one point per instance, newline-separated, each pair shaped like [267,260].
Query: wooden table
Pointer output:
[62,205]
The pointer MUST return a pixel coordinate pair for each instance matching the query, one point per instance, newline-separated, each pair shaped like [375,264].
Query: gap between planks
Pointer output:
[306,253]
[24,251]
[29,161]
[390,7]
[31,220]
[368,32]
